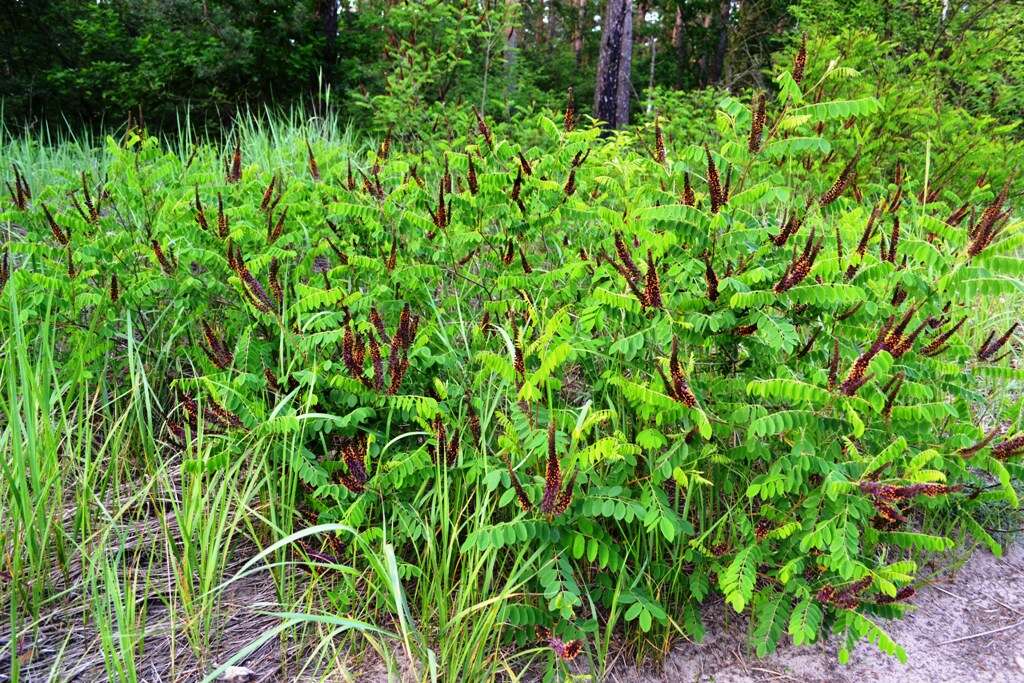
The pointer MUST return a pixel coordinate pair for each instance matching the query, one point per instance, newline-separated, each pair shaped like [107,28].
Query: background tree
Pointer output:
[614,80]
[76,63]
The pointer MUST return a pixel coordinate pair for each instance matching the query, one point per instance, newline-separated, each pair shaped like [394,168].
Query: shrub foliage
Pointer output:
[650,371]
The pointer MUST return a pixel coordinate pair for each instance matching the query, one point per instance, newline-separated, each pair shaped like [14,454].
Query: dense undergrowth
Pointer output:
[515,393]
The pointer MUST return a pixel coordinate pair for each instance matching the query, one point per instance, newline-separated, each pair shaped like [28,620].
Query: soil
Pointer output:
[966,627]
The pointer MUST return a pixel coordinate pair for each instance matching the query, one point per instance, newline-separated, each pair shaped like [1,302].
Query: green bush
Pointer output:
[573,383]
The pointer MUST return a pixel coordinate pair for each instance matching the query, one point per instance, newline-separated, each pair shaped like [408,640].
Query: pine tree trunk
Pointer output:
[611,97]
[511,45]
[682,49]
[577,36]
[329,29]
[718,65]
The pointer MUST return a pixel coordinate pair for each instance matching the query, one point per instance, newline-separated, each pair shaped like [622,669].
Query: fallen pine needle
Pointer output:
[983,633]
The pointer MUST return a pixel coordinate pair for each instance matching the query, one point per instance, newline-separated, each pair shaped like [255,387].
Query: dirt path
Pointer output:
[942,637]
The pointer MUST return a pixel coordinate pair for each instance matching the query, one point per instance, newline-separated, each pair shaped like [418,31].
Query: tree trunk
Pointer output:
[717,70]
[611,97]
[650,81]
[682,50]
[577,36]
[513,15]
[329,29]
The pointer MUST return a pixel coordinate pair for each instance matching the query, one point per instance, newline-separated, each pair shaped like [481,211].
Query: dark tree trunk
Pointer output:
[329,29]
[611,97]
[682,46]
[717,66]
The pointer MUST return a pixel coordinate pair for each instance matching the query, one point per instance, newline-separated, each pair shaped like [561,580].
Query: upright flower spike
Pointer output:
[350,182]
[895,338]
[483,128]
[659,143]
[268,194]
[623,252]
[473,418]
[166,260]
[556,500]
[570,184]
[894,240]
[989,225]
[471,178]
[524,500]
[277,229]
[200,213]
[833,365]
[234,173]
[446,450]
[398,370]
[891,391]
[650,295]
[352,452]
[392,259]
[251,288]
[20,193]
[710,278]
[809,344]
[865,238]
[353,353]
[857,376]
[274,279]
[570,112]
[63,238]
[93,208]
[800,62]
[377,362]
[221,416]
[5,269]
[439,216]
[1009,448]
[894,201]
[969,451]
[939,343]
[223,229]
[714,183]
[378,324]
[757,120]
[841,183]
[524,262]
[801,265]
[652,289]
[215,349]
[524,164]
[24,190]
[385,145]
[517,185]
[991,347]
[679,387]
[689,199]
[519,360]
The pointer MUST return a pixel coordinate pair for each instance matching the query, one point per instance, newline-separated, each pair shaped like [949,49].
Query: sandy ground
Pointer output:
[966,628]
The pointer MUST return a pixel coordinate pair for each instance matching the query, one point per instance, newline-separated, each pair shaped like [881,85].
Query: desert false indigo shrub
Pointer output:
[685,385]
